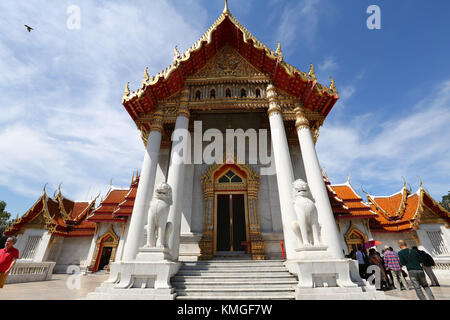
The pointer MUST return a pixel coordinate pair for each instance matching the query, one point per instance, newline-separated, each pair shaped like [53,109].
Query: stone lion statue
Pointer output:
[306,227]
[158,229]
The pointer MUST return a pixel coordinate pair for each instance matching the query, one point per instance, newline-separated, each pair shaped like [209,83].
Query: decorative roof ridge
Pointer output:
[423,192]
[62,209]
[18,220]
[207,36]
[400,211]
[87,209]
[392,195]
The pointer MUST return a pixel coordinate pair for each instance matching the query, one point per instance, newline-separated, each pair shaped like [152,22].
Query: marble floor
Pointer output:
[62,287]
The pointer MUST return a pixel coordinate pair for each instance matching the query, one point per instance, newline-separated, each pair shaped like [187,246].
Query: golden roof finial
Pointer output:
[421,182]
[279,52]
[176,54]
[225,10]
[311,73]
[127,91]
[333,85]
[146,76]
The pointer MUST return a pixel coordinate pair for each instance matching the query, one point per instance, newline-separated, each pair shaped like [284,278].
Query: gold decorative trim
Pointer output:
[301,122]
[100,245]
[353,241]
[249,187]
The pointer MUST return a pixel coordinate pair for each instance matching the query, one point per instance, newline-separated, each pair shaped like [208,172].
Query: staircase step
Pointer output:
[234,279]
[232,263]
[234,285]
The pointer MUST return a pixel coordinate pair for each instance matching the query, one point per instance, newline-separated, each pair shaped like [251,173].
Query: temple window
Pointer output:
[212,94]
[258,93]
[243,93]
[437,241]
[31,247]
[198,95]
[228,93]
[230,177]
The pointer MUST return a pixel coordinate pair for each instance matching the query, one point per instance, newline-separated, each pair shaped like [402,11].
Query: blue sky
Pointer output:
[62,121]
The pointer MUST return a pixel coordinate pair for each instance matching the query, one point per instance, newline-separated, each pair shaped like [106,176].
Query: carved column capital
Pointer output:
[301,121]
[274,107]
[157,121]
[183,109]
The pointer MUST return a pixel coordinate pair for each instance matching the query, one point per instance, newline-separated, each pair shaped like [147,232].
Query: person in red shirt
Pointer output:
[8,257]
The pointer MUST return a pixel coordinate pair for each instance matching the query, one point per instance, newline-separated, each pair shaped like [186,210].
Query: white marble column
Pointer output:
[145,189]
[330,232]
[180,153]
[284,171]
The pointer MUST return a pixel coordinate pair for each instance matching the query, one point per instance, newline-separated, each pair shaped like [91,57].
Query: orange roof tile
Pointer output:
[346,203]
[104,213]
[63,217]
[125,208]
[397,213]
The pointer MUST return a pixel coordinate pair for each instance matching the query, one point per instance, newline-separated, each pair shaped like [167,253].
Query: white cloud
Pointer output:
[60,109]
[377,151]
[299,23]
[329,64]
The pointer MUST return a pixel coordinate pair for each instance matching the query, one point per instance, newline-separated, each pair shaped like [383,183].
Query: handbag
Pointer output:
[405,275]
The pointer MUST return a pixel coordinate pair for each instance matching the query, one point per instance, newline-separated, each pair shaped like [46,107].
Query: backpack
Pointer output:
[427,259]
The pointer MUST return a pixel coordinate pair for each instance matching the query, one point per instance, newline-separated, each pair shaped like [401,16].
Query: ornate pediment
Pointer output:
[228,63]
[38,222]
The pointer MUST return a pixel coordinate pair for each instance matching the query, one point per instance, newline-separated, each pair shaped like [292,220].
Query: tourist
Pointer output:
[392,263]
[8,257]
[362,262]
[428,263]
[390,278]
[411,259]
[375,260]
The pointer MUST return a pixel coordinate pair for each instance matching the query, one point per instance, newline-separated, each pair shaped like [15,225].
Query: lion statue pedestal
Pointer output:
[147,277]
[321,276]
[157,230]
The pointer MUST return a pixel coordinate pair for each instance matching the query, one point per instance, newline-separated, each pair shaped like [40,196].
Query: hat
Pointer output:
[386,247]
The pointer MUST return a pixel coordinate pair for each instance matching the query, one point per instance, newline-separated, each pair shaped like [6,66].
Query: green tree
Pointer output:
[446,201]
[4,219]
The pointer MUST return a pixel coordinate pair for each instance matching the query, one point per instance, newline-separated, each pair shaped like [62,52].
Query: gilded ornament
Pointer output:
[312,73]
[279,53]
[127,92]
[333,86]
[146,77]
[176,54]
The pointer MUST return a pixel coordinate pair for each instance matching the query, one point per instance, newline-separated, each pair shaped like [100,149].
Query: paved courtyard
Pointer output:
[58,289]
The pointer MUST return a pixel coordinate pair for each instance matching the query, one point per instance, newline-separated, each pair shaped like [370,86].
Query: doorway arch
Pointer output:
[231,179]
[105,248]
[354,238]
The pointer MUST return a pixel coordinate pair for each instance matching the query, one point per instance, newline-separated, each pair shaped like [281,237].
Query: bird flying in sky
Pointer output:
[29,28]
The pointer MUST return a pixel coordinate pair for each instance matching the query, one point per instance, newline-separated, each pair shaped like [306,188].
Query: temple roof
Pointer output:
[60,216]
[117,205]
[228,30]
[346,203]
[403,211]
[125,208]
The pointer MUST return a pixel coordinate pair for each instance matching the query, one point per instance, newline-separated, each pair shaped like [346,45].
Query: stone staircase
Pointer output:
[234,278]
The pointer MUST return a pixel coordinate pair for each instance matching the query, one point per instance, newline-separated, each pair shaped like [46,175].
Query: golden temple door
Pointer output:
[231,222]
